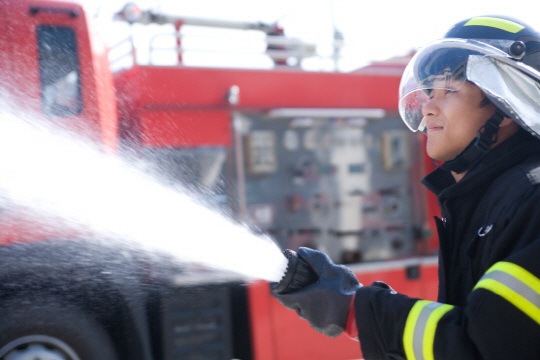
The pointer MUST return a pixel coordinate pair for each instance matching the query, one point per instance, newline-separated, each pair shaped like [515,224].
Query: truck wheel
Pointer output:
[48,330]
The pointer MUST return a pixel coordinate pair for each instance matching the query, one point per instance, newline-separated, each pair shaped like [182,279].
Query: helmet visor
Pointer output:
[439,65]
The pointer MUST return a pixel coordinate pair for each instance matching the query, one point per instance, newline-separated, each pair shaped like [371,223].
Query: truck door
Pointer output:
[46,76]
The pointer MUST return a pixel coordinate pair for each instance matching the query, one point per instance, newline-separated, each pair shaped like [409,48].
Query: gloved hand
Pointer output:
[325,304]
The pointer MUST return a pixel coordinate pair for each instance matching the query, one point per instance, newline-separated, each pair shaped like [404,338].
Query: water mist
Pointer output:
[54,174]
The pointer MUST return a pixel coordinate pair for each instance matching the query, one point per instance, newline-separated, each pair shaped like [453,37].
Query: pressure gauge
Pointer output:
[290,140]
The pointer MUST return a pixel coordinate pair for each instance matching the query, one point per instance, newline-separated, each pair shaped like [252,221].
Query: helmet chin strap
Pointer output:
[487,136]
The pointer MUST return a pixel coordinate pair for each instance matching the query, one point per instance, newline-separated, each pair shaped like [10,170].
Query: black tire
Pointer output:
[44,329]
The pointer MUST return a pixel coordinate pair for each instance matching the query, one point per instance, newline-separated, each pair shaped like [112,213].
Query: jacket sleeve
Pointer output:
[501,318]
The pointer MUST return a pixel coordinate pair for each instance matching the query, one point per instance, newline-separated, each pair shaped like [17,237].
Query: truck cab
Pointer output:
[52,67]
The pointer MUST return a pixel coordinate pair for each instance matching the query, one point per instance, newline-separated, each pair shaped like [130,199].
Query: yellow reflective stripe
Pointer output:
[502,24]
[517,271]
[431,327]
[408,334]
[511,296]
[516,285]
[420,328]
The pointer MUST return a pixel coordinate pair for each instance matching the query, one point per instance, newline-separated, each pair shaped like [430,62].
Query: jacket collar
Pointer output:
[509,153]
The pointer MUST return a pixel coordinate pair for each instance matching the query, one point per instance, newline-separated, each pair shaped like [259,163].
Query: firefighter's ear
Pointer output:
[507,128]
[507,121]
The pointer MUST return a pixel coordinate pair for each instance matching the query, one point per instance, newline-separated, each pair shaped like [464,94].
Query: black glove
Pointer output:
[324,304]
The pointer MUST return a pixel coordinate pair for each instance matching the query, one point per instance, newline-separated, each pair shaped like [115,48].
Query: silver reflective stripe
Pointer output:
[515,284]
[420,329]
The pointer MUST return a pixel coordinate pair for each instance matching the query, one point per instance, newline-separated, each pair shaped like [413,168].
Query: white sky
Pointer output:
[373,30]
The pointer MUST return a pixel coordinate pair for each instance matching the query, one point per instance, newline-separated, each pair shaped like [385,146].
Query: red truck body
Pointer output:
[354,194]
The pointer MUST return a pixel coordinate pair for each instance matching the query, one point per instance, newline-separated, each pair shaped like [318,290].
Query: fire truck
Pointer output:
[310,158]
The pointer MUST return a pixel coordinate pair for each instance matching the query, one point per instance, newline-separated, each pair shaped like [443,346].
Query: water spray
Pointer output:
[53,173]
[297,275]
[56,175]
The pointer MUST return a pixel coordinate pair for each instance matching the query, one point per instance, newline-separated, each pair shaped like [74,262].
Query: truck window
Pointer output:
[59,70]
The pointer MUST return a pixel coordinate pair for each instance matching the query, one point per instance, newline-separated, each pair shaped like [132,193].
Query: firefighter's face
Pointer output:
[453,119]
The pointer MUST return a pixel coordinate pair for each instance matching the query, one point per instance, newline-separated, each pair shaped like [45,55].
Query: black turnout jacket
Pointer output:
[488,306]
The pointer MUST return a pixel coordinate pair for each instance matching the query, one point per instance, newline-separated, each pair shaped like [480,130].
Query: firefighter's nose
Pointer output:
[430,108]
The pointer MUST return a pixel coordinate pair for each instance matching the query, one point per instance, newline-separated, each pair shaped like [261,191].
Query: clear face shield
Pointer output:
[447,64]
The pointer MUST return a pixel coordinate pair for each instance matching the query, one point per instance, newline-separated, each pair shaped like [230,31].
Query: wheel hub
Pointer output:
[37,347]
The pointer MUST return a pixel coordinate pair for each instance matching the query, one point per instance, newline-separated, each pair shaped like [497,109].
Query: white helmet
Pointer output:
[498,54]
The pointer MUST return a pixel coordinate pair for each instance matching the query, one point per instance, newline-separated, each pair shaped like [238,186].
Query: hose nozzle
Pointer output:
[297,275]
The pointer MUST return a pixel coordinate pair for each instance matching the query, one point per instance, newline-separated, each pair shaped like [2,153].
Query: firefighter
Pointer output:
[476,95]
